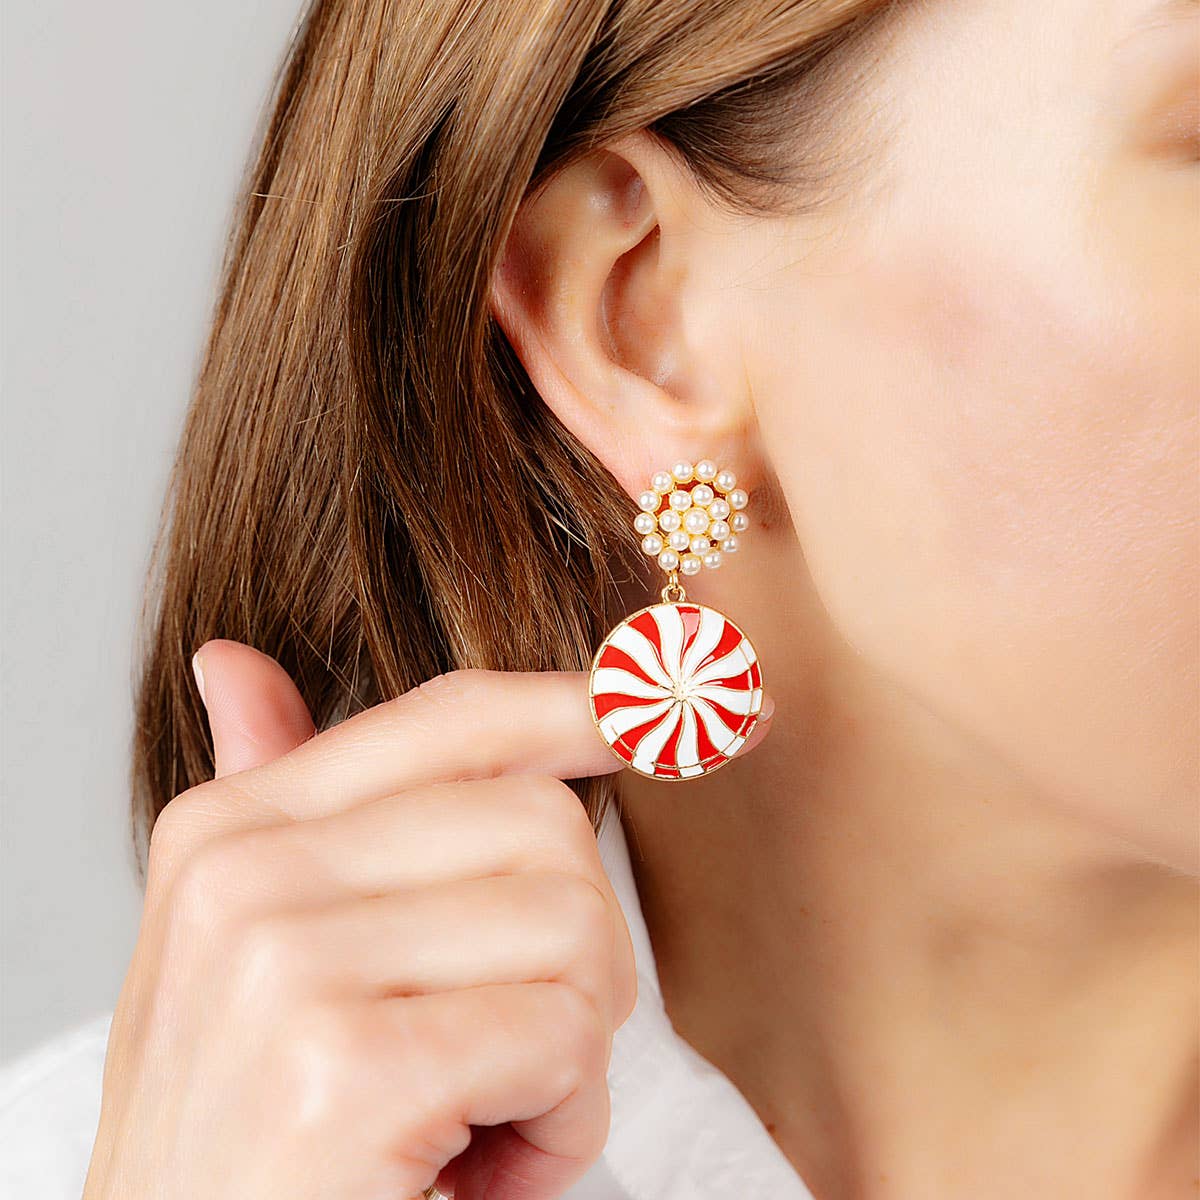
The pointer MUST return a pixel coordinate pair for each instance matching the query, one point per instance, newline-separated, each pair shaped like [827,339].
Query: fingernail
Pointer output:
[198,671]
[768,708]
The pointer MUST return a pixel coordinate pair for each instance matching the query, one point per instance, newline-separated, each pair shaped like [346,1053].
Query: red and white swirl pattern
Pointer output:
[676,690]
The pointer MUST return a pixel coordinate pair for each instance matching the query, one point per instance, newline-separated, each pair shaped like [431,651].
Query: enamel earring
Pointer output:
[676,688]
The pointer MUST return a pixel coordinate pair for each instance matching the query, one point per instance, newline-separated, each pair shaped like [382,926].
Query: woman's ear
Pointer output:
[607,294]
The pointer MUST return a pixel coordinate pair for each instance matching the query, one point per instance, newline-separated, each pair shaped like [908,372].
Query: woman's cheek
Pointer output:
[996,496]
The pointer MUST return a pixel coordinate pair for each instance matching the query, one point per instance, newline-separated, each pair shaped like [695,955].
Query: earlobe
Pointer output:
[593,292]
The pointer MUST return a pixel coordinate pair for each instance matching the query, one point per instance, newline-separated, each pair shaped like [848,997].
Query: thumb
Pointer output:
[255,712]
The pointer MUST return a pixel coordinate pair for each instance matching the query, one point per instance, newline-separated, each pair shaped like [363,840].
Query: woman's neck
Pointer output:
[926,981]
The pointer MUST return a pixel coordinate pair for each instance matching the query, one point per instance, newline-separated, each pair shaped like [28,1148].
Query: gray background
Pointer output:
[125,127]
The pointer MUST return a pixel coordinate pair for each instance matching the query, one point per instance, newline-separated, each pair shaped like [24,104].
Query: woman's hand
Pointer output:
[358,945]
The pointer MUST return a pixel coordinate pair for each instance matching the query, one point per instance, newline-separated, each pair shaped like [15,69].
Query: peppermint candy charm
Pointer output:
[675,690]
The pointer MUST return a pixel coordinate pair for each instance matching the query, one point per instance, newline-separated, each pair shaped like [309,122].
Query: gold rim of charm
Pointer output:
[725,739]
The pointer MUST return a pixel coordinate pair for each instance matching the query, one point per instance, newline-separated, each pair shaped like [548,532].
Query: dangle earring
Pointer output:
[676,687]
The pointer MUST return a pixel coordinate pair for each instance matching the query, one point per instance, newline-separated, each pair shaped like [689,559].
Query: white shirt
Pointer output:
[679,1128]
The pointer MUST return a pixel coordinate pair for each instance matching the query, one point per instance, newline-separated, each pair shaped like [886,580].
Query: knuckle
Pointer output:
[451,687]
[198,890]
[600,1128]
[586,911]
[597,964]
[626,980]
[422,1044]
[426,708]
[266,960]
[580,1037]
[554,803]
[321,1052]
[173,830]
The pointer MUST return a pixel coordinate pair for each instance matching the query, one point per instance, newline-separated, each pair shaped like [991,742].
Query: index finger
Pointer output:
[467,724]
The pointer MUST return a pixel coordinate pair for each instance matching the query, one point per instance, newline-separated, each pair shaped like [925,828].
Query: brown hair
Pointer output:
[367,487]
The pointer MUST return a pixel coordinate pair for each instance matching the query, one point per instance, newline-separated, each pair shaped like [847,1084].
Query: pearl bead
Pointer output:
[668,560]
[711,559]
[700,544]
[678,540]
[644,522]
[739,522]
[649,501]
[726,481]
[682,471]
[681,501]
[695,520]
[706,470]
[702,494]
[661,481]
[652,544]
[719,530]
[718,510]
[690,564]
[669,520]
[738,498]
[729,544]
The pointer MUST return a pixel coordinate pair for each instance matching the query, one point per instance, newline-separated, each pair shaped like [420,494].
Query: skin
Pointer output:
[940,926]
[942,930]
[359,944]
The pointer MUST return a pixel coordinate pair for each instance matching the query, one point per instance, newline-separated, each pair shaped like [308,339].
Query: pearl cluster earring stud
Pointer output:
[690,516]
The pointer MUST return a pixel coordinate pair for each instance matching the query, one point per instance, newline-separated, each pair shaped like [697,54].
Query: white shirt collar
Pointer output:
[680,1129]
